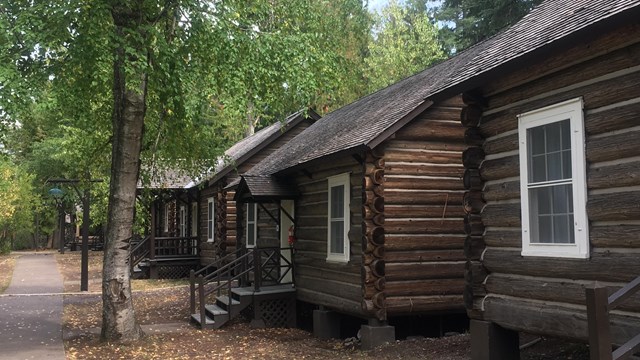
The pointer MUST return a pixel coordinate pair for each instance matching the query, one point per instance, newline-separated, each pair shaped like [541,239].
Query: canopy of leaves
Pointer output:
[404,43]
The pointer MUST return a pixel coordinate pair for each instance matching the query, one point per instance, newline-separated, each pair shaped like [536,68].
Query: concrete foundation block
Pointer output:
[372,336]
[490,341]
[326,324]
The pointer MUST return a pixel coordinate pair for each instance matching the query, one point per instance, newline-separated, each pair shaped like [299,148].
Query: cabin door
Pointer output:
[285,224]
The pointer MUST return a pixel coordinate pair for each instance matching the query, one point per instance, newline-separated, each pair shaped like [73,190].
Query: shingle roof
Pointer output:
[265,187]
[162,177]
[360,123]
[248,146]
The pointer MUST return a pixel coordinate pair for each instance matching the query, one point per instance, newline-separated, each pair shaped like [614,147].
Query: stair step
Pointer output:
[208,321]
[215,310]
[223,302]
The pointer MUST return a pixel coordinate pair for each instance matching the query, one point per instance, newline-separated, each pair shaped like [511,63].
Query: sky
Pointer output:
[376,5]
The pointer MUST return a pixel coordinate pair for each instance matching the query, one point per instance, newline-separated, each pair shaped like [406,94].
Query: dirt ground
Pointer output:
[162,308]
[7,262]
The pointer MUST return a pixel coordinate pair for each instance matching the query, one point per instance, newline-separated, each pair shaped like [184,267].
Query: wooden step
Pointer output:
[214,311]
[209,323]
[223,302]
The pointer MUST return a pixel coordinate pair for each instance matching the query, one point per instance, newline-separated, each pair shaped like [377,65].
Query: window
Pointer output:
[194,219]
[553,181]
[338,218]
[182,226]
[252,229]
[210,219]
[166,217]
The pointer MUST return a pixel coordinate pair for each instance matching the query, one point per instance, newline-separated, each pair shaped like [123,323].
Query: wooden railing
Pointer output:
[273,267]
[599,304]
[139,251]
[162,247]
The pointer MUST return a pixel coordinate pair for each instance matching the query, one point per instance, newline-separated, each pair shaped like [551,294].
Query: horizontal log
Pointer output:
[423,183]
[470,115]
[424,287]
[394,144]
[431,226]
[416,169]
[473,225]
[422,156]
[619,175]
[376,218]
[472,202]
[411,305]
[471,179]
[614,207]
[422,211]
[451,198]
[500,168]
[615,236]
[441,112]
[613,119]
[556,290]
[613,146]
[508,190]
[427,129]
[378,189]
[473,157]
[419,256]
[550,319]
[502,215]
[423,271]
[603,265]
[423,242]
[503,237]
[501,144]
[473,247]
[348,306]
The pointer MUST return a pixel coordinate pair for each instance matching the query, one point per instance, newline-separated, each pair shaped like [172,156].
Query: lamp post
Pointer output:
[57,195]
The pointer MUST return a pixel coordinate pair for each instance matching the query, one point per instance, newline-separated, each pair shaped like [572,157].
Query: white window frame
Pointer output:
[252,207]
[194,219]
[211,220]
[334,181]
[568,110]
[182,221]
[166,217]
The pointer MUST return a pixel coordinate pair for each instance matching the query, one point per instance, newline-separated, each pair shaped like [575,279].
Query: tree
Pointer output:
[154,80]
[404,43]
[466,22]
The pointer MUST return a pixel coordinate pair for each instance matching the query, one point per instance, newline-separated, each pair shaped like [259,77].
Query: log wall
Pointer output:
[226,225]
[336,285]
[423,223]
[545,295]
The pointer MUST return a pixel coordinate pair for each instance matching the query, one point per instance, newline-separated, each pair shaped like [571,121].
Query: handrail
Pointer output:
[599,304]
[136,255]
[245,262]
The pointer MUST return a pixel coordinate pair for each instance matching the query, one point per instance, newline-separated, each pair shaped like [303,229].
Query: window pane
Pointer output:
[540,200]
[251,208]
[251,235]
[536,139]
[561,229]
[337,201]
[543,226]
[538,169]
[553,137]
[566,164]
[337,237]
[560,199]
[566,135]
[554,166]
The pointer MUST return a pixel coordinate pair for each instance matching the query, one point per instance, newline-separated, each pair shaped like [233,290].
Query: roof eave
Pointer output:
[384,135]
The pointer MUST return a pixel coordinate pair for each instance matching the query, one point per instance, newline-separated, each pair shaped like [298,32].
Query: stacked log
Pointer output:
[473,204]
[220,235]
[373,264]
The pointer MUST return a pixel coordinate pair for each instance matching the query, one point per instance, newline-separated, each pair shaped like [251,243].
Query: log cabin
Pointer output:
[551,108]
[217,229]
[372,196]
[170,247]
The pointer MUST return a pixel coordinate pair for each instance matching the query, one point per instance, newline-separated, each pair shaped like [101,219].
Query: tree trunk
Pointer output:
[118,317]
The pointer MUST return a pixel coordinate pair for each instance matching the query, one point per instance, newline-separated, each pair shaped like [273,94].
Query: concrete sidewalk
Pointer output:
[31,326]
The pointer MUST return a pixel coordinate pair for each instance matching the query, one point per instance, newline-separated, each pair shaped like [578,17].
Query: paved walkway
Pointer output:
[31,311]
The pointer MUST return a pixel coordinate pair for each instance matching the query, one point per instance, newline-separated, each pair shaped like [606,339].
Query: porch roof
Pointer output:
[264,189]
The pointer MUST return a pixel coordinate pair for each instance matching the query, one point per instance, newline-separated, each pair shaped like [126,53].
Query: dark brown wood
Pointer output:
[473,202]
[380,284]
[424,256]
[473,247]
[378,300]
[422,211]
[436,270]
[470,115]
[617,118]
[502,215]
[625,174]
[503,238]
[425,183]
[375,235]
[611,147]
[401,305]
[378,267]
[496,169]
[471,179]
[473,225]
[501,144]
[426,129]
[614,206]
[417,169]
[424,287]
[451,198]
[615,236]
[473,137]
[458,145]
[422,241]
[431,226]
[422,156]
[473,157]
[508,190]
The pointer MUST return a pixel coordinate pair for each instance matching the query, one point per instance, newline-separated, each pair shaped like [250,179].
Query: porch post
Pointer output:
[153,270]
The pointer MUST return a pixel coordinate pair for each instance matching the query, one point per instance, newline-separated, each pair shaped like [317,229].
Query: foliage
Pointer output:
[17,203]
[405,42]
[466,22]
